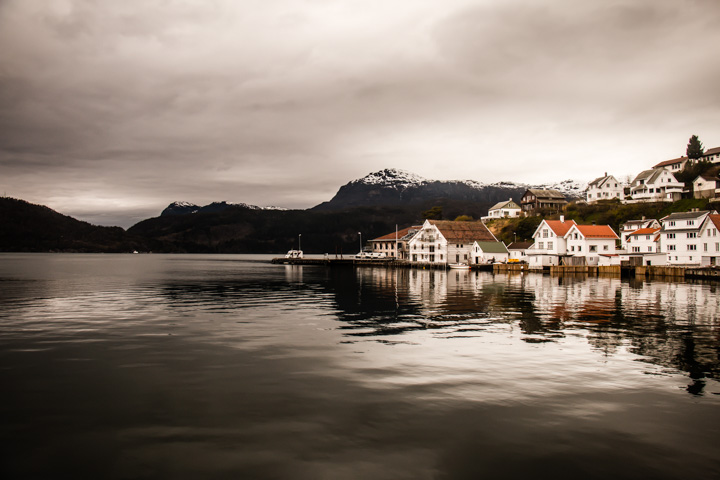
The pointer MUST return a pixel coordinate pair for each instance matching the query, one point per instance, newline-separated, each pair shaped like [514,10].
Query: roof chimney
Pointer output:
[606,174]
[643,218]
[562,218]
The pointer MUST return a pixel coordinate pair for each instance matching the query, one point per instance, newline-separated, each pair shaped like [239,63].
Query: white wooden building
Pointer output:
[706,186]
[710,241]
[489,252]
[680,237]
[549,243]
[445,242]
[655,185]
[632,225]
[606,187]
[591,241]
[506,209]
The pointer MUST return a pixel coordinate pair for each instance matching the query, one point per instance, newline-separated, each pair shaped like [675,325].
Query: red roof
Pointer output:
[597,231]
[716,220]
[670,162]
[400,234]
[560,228]
[645,231]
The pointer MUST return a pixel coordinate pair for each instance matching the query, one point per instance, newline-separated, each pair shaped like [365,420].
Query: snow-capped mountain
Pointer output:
[185,208]
[393,186]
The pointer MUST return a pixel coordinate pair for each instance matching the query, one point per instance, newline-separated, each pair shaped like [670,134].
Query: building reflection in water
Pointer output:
[672,324]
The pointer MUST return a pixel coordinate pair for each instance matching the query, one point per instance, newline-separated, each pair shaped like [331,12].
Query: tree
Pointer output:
[435,213]
[695,148]
[464,218]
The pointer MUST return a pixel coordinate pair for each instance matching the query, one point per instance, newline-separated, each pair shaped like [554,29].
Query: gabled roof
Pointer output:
[463,232]
[546,193]
[519,245]
[650,175]
[492,247]
[684,215]
[400,234]
[707,177]
[560,228]
[645,231]
[712,151]
[596,231]
[671,162]
[510,203]
[715,219]
[600,181]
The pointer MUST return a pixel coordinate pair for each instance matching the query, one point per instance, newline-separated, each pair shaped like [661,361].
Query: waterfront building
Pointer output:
[388,245]
[710,241]
[444,241]
[535,200]
[680,237]
[585,243]
[506,209]
[517,251]
[632,225]
[489,252]
[604,188]
[655,185]
[549,243]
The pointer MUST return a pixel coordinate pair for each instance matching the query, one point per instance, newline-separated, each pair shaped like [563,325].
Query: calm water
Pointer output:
[197,366]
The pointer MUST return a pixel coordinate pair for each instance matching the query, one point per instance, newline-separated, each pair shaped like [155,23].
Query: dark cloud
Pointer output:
[127,106]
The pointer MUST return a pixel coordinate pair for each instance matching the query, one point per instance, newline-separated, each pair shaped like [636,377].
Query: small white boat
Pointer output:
[460,266]
[294,254]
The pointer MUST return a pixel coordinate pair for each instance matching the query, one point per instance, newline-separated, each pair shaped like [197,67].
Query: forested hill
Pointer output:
[26,227]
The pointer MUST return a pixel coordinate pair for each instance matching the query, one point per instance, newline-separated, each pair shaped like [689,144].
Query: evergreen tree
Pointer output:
[695,148]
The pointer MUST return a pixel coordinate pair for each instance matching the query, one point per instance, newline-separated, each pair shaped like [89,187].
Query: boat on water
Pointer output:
[460,266]
[294,254]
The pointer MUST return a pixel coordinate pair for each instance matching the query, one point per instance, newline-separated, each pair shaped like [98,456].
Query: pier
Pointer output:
[370,262]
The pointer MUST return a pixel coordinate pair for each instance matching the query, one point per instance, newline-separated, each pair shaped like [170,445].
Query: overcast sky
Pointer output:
[110,110]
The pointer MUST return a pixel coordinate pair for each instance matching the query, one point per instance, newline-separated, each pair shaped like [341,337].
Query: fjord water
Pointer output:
[226,366]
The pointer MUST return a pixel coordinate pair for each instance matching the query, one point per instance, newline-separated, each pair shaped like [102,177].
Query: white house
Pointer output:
[674,166]
[710,241]
[590,241]
[632,225]
[549,243]
[680,237]
[604,188]
[395,244]
[712,155]
[489,252]
[507,209]
[444,241]
[644,240]
[656,185]
[706,186]
[517,251]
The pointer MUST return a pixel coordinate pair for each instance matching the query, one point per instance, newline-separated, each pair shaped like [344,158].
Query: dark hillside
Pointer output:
[27,227]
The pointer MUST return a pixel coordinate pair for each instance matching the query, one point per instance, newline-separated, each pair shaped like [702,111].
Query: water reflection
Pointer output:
[226,367]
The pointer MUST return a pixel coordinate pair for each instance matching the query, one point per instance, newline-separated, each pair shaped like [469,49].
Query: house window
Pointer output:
[671,248]
[691,222]
[670,235]
[636,249]
[692,247]
[550,245]
[593,248]
[541,245]
[576,236]
[545,233]
[650,249]
[647,237]
[691,235]
[606,248]
[572,249]
[717,247]
[432,258]
[464,256]
[579,248]
[672,224]
[705,247]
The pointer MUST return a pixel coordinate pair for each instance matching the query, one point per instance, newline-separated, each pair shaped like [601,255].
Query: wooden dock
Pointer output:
[370,262]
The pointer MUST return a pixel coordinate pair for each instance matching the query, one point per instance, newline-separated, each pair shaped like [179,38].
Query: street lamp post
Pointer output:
[299,240]
[515,233]
[360,233]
